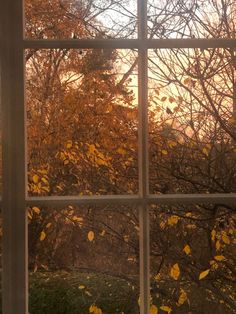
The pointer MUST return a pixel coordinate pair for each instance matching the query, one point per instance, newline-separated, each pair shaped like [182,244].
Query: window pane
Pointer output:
[84,256]
[192,115]
[191,19]
[80,19]
[193,258]
[82,122]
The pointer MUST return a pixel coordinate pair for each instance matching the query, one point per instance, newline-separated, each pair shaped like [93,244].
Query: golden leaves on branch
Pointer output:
[153,309]
[218,245]
[164,152]
[173,220]
[42,236]
[166,308]
[225,238]
[213,235]
[69,144]
[187,249]
[36,210]
[220,239]
[183,297]
[219,258]
[90,236]
[35,178]
[175,271]
[94,309]
[48,225]
[121,151]
[204,274]
[81,287]
[214,265]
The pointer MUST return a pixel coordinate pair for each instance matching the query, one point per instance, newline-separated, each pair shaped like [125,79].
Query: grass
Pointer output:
[74,292]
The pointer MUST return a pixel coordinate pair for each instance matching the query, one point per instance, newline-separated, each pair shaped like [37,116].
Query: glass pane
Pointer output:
[192,115]
[193,258]
[191,19]
[84,258]
[82,122]
[80,19]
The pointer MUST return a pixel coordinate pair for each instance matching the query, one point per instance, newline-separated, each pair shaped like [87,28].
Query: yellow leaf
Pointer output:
[35,179]
[175,271]
[77,219]
[30,215]
[213,235]
[42,236]
[44,180]
[219,258]
[166,309]
[164,152]
[94,309]
[126,238]
[173,220]
[158,277]
[162,225]
[36,210]
[153,309]
[109,108]
[121,151]
[183,297]
[214,265]
[81,287]
[91,148]
[189,214]
[91,308]
[48,225]
[191,226]
[218,246]
[66,162]
[205,151]
[139,301]
[204,274]
[172,143]
[88,293]
[225,238]
[187,249]
[103,233]
[91,236]
[69,144]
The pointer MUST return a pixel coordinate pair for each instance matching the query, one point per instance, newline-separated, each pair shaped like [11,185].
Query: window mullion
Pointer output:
[14,215]
[143,157]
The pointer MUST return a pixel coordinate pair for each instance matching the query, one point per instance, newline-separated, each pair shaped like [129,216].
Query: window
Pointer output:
[175,62]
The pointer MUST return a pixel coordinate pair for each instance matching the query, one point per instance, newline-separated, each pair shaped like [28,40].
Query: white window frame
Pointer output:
[14,196]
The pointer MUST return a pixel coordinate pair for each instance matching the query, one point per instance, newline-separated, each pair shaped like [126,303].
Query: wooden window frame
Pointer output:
[14,196]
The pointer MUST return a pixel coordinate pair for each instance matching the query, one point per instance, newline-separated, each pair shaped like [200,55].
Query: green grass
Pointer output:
[74,292]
